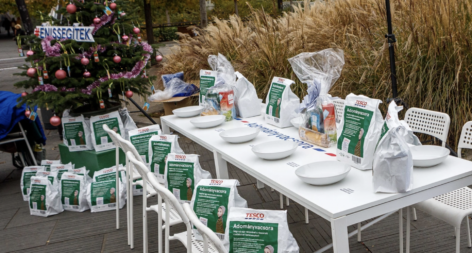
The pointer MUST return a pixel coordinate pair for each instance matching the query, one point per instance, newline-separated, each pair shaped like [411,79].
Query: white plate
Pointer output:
[208,121]
[189,111]
[323,173]
[274,150]
[296,122]
[428,155]
[240,134]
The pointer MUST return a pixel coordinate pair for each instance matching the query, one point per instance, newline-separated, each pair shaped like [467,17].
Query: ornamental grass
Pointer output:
[433,50]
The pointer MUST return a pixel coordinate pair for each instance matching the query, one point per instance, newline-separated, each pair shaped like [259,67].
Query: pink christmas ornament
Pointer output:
[86,74]
[136,30]
[123,14]
[60,74]
[125,37]
[30,53]
[96,20]
[27,113]
[129,94]
[158,58]
[55,121]
[24,94]
[31,72]
[85,61]
[117,59]
[71,8]
[113,6]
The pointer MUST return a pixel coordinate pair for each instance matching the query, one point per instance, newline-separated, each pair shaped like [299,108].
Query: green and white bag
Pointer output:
[26,175]
[160,146]
[182,174]
[73,188]
[76,133]
[44,198]
[109,174]
[212,201]
[140,139]
[281,103]
[207,80]
[254,230]
[100,139]
[102,195]
[61,168]
[51,175]
[359,131]
[47,164]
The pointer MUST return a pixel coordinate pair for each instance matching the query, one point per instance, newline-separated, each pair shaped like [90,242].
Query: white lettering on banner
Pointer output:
[271,132]
[80,33]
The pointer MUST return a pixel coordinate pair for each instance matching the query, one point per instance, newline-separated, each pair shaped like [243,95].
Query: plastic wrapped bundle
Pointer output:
[319,70]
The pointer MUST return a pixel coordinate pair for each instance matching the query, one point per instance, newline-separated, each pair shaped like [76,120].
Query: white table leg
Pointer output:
[340,235]
[165,128]
[260,185]
[221,166]
[407,229]
[400,221]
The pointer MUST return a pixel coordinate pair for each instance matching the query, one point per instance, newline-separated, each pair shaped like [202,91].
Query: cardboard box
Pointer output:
[176,102]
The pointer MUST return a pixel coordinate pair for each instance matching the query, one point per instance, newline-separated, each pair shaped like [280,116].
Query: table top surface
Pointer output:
[350,195]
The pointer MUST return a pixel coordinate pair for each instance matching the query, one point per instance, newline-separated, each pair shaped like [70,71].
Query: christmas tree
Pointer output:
[87,58]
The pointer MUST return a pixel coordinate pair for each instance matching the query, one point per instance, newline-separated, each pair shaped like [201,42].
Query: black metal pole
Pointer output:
[391,40]
[143,111]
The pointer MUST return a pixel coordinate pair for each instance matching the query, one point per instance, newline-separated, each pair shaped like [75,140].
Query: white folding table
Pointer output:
[344,203]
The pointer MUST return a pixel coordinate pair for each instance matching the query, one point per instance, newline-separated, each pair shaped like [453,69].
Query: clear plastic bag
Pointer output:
[173,87]
[319,70]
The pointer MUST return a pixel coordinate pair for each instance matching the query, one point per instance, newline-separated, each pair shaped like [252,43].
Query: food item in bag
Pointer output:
[76,133]
[329,120]
[281,103]
[25,182]
[247,103]
[61,168]
[100,139]
[102,196]
[182,173]
[140,140]
[160,146]
[207,80]
[255,230]
[51,176]
[219,100]
[44,198]
[73,187]
[47,164]
[212,203]
[359,131]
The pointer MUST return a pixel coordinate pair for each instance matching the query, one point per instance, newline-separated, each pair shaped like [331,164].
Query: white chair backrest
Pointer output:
[466,138]
[140,166]
[429,122]
[113,135]
[339,109]
[205,231]
[128,147]
[169,198]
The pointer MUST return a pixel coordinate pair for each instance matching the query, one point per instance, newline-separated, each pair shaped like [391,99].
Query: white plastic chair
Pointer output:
[454,206]
[186,237]
[208,235]
[174,218]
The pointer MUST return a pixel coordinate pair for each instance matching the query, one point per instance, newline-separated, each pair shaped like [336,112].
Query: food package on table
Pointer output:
[393,162]
[359,131]
[246,101]
[25,181]
[207,80]
[160,146]
[73,188]
[219,99]
[319,70]
[281,103]
[256,230]
[182,174]
[212,202]
[44,197]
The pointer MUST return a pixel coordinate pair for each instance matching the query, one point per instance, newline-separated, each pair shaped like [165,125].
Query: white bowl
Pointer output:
[323,173]
[428,155]
[189,111]
[208,121]
[274,150]
[297,122]
[240,134]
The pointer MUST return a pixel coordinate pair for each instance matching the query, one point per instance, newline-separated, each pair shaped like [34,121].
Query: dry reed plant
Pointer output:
[433,56]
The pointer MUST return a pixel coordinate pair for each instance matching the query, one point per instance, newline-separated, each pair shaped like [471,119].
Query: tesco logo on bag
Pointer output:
[104,117]
[254,216]
[143,130]
[163,137]
[362,104]
[37,181]
[108,171]
[216,182]
[281,80]
[180,157]
[60,167]
[71,120]
[71,176]
[207,72]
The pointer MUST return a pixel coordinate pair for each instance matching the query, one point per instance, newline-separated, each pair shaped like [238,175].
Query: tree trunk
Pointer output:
[236,7]
[280,5]
[148,20]
[203,14]
[291,5]
[25,17]
[167,17]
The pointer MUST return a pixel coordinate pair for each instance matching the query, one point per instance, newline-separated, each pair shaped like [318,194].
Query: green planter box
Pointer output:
[91,159]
